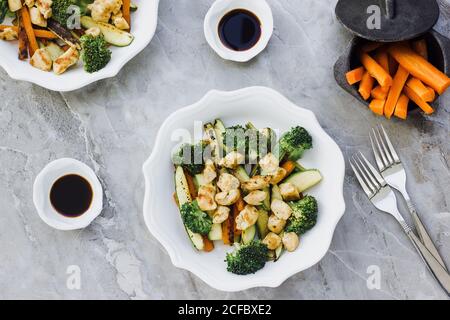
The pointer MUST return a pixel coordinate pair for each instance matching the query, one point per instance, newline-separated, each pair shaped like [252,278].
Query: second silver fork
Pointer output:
[394,174]
[383,198]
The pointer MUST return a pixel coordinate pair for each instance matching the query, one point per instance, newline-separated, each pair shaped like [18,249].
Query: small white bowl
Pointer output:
[219,9]
[41,194]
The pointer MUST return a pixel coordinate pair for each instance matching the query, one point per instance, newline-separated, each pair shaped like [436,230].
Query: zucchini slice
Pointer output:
[184,196]
[305,180]
[112,35]
[216,232]
[262,223]
[276,194]
[248,234]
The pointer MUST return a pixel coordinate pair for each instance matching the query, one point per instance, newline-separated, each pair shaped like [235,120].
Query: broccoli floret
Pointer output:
[3,9]
[294,143]
[192,157]
[248,258]
[95,53]
[304,215]
[195,219]
[248,141]
[60,11]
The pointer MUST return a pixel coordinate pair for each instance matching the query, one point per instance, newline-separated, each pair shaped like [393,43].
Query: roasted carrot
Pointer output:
[289,166]
[382,58]
[416,99]
[23,41]
[420,47]
[419,67]
[33,45]
[377,106]
[366,85]
[401,109]
[376,71]
[355,75]
[370,46]
[37,32]
[226,232]
[126,11]
[397,86]
[191,185]
[379,93]
[237,207]
[420,89]
[208,245]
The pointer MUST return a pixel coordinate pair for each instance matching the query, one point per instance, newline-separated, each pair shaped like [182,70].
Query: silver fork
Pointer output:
[383,198]
[393,172]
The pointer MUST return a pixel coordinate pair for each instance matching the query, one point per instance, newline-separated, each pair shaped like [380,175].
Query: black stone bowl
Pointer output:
[438,52]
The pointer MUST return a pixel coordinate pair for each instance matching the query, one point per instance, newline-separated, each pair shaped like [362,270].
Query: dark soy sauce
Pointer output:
[239,30]
[71,195]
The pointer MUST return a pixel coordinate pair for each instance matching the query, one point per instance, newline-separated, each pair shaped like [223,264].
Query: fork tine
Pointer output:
[390,146]
[372,179]
[372,184]
[378,160]
[361,181]
[385,149]
[374,171]
[380,150]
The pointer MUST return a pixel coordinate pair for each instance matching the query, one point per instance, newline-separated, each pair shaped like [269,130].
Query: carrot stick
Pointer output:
[208,245]
[366,85]
[422,104]
[401,109]
[370,46]
[191,185]
[23,41]
[420,47]
[376,71]
[25,14]
[377,106]
[382,58]
[431,95]
[355,75]
[379,93]
[126,11]
[397,86]
[37,32]
[420,89]
[419,67]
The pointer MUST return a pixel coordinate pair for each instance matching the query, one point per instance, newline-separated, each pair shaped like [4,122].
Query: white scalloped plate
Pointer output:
[265,108]
[143,28]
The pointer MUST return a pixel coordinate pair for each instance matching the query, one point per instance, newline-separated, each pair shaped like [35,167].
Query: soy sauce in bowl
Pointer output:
[71,195]
[239,29]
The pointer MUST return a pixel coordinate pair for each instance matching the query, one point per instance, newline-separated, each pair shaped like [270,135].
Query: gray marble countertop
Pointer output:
[111,126]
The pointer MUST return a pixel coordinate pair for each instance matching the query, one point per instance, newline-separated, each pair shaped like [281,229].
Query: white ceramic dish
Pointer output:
[265,108]
[41,194]
[221,7]
[143,28]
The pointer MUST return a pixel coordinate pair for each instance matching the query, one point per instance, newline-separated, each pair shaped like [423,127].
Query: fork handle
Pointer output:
[433,265]
[423,234]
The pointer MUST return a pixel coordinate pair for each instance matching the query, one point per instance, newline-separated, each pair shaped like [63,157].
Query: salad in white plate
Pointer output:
[242,186]
[53,35]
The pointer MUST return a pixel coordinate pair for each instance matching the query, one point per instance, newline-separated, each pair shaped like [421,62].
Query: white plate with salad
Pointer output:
[64,45]
[244,189]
